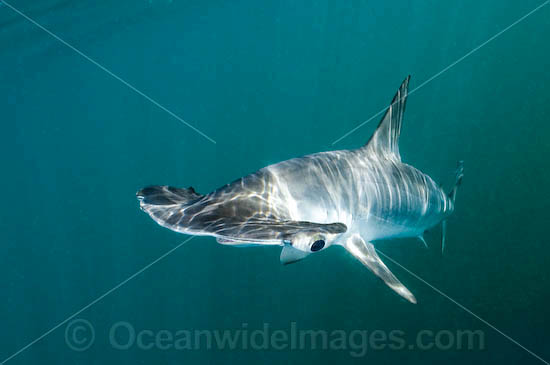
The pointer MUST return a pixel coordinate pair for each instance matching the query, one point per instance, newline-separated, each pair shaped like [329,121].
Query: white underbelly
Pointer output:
[376,228]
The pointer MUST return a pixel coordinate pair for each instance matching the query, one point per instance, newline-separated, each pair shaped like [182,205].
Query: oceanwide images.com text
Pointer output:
[80,335]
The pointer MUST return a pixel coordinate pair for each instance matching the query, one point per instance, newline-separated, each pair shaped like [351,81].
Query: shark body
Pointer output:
[348,198]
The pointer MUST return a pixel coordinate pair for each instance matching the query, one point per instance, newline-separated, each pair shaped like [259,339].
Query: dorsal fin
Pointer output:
[385,140]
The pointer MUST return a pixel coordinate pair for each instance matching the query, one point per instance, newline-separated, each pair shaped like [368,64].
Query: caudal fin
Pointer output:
[459,174]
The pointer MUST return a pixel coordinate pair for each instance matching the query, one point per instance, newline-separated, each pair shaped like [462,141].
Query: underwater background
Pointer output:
[267,81]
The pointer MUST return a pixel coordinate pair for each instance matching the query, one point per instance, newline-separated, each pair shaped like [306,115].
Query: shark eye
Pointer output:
[317,245]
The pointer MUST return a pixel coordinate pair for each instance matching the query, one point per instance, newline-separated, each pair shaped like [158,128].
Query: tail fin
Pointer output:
[166,204]
[459,174]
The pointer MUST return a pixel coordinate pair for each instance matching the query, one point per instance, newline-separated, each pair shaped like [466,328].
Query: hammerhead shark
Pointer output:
[349,198]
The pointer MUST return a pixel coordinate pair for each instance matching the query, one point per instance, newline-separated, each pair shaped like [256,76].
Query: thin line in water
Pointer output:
[457,61]
[106,70]
[93,302]
[463,307]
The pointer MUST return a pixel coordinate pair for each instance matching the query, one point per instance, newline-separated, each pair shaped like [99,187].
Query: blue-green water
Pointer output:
[267,80]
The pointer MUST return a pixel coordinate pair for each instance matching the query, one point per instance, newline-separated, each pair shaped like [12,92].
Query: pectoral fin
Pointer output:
[366,253]
[291,255]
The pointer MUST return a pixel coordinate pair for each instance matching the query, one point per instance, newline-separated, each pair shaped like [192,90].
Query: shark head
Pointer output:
[312,241]
[303,243]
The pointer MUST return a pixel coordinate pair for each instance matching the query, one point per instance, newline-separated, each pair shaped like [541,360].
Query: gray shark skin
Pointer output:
[347,198]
